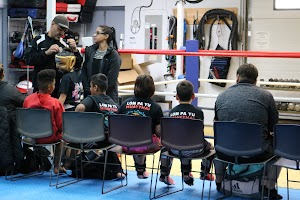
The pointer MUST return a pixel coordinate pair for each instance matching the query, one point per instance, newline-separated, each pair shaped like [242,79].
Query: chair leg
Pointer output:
[53,149]
[73,180]
[263,181]
[104,172]
[152,177]
[166,193]
[211,171]
[203,184]
[287,183]
[158,168]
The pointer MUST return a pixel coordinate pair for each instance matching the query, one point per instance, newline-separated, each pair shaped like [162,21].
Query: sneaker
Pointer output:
[167,180]
[273,194]
[144,175]
[188,179]
[208,177]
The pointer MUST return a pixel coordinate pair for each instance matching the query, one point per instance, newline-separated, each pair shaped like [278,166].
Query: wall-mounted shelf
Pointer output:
[19,69]
[281,88]
[293,115]
[23,19]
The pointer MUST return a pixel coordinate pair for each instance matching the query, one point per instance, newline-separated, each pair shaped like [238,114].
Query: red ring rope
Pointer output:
[216,53]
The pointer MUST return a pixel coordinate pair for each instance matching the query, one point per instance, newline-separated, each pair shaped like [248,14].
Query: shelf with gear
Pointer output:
[21,32]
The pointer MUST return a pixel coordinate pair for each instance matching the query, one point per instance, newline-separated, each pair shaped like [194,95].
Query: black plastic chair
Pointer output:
[34,124]
[131,131]
[80,128]
[286,147]
[240,140]
[182,135]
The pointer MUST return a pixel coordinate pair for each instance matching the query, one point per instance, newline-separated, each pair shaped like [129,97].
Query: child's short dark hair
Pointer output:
[45,77]
[185,90]
[100,80]
[144,86]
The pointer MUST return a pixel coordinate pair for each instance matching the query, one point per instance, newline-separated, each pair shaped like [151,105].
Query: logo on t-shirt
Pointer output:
[77,91]
[183,115]
[138,105]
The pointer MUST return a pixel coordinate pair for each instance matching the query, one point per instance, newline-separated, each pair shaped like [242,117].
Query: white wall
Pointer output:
[281,33]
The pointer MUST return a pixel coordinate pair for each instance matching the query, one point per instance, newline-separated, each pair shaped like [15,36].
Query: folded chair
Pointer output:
[239,140]
[80,128]
[286,147]
[131,131]
[182,135]
[33,124]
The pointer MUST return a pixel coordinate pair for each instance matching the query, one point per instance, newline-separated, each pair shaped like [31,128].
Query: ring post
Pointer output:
[192,67]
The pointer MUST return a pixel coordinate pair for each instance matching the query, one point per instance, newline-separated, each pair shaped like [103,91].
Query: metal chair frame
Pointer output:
[239,139]
[286,148]
[182,135]
[26,122]
[131,131]
[92,124]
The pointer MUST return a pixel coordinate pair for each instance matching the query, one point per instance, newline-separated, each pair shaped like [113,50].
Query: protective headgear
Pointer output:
[65,61]
[22,86]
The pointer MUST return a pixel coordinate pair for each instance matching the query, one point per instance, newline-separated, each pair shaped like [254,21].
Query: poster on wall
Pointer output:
[261,40]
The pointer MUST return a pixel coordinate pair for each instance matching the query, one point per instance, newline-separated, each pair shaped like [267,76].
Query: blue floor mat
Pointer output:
[37,188]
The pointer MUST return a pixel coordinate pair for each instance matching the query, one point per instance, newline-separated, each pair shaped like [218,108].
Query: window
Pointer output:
[286,4]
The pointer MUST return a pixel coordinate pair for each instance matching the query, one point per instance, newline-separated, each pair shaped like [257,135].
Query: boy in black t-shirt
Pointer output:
[99,102]
[186,110]
[70,87]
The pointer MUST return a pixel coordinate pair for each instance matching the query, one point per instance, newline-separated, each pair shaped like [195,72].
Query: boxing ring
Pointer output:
[192,68]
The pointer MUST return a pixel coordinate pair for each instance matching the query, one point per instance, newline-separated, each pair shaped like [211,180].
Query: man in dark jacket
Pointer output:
[43,48]
[10,141]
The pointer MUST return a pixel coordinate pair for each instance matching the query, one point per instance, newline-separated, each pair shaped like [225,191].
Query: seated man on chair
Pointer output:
[245,102]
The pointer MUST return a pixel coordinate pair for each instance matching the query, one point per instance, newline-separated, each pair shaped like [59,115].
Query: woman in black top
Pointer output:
[102,57]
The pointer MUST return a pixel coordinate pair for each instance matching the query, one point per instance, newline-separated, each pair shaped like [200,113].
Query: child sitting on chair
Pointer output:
[70,87]
[43,100]
[185,95]
[99,102]
[143,91]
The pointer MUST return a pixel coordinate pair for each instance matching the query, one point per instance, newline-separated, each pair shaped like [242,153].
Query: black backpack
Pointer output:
[95,170]
[34,161]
